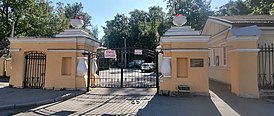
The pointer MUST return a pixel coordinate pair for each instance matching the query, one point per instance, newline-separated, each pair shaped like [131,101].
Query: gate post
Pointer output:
[122,65]
[157,71]
[243,66]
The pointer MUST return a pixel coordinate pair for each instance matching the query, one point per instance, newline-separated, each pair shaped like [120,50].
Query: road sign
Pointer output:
[110,54]
[138,52]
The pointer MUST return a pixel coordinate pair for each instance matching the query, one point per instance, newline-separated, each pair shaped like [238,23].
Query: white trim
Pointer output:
[196,50]
[167,57]
[75,35]
[52,40]
[82,58]
[184,39]
[244,50]
[243,39]
[46,40]
[66,51]
[15,49]
[213,19]
[266,27]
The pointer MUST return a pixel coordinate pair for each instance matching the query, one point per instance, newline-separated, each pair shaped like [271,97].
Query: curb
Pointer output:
[63,98]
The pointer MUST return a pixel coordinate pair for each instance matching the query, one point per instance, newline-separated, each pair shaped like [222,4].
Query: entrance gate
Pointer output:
[35,70]
[125,69]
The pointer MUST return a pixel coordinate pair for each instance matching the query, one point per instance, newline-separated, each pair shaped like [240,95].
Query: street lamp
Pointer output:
[89,54]
[125,47]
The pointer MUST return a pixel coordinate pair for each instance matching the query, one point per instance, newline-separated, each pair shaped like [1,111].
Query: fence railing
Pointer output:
[266,66]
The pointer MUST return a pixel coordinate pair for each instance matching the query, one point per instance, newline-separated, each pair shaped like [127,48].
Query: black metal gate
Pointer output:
[266,66]
[35,70]
[125,69]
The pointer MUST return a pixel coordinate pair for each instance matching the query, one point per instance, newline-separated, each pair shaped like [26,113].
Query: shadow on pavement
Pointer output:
[243,106]
[179,106]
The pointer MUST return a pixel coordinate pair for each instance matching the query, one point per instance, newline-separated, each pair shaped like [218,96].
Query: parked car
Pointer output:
[135,64]
[147,67]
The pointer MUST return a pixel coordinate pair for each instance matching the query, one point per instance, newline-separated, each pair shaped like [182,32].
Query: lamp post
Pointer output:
[89,54]
[125,48]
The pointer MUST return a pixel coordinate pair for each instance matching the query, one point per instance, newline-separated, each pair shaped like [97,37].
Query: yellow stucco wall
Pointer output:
[221,74]
[55,49]
[197,76]
[1,66]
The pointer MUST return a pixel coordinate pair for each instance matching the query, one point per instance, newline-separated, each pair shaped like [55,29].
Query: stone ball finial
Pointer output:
[77,22]
[179,20]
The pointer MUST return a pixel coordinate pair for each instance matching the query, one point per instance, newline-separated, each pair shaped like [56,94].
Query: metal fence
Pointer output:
[125,70]
[266,66]
[35,70]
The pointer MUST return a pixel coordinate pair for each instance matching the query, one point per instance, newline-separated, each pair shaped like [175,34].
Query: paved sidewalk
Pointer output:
[144,102]
[17,98]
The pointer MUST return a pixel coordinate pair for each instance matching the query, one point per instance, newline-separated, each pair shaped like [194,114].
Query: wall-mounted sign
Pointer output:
[110,54]
[197,62]
[138,52]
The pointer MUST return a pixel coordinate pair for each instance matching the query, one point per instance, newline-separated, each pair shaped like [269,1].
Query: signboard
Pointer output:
[110,54]
[138,52]
[197,62]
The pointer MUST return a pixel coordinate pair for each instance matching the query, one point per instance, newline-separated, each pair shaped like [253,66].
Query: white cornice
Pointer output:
[243,39]
[270,28]
[187,50]
[81,51]
[184,39]
[50,40]
[244,50]
[222,22]
[55,40]
[15,49]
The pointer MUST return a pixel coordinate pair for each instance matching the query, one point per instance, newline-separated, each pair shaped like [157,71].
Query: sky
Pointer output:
[103,10]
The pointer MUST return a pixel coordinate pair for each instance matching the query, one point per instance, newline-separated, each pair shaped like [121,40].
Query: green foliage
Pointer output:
[31,18]
[196,11]
[116,31]
[76,9]
[239,7]
[260,7]
[233,8]
[142,29]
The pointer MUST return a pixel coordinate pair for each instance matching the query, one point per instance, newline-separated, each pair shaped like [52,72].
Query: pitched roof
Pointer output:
[245,19]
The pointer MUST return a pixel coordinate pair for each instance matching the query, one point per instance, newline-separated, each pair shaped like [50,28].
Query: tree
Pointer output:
[76,9]
[116,31]
[142,29]
[260,7]
[29,18]
[196,11]
[272,10]
[239,7]
[95,31]
[233,8]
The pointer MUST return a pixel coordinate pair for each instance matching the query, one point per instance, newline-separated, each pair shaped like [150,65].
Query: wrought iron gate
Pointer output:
[125,69]
[266,66]
[35,70]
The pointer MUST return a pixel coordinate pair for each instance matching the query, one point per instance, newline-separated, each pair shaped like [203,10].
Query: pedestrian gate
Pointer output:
[124,69]
[35,69]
